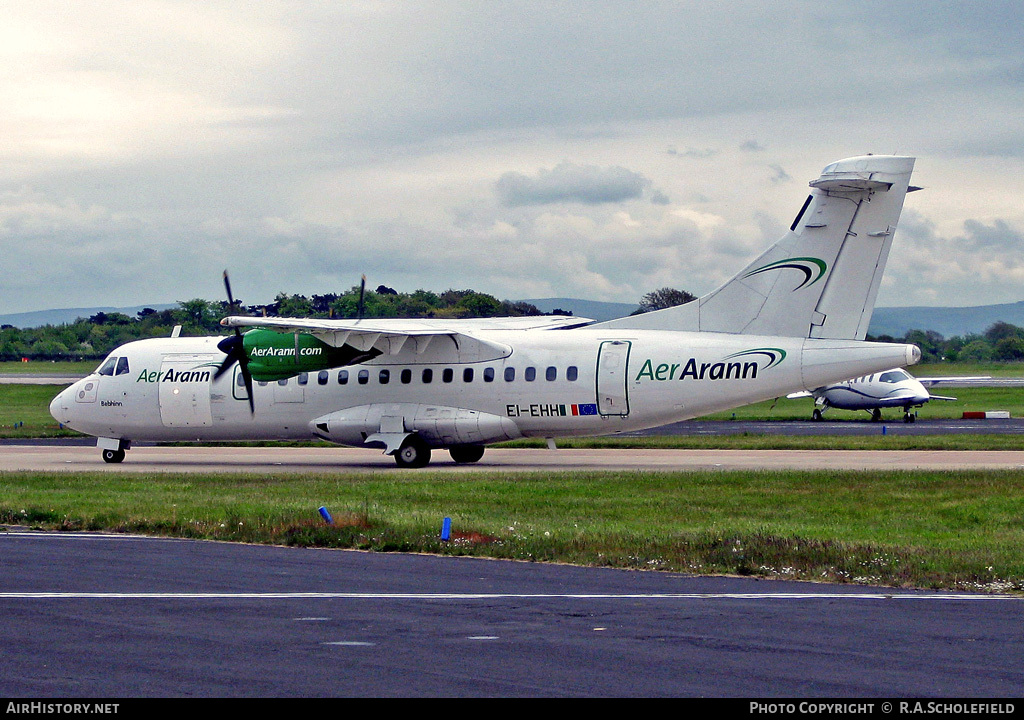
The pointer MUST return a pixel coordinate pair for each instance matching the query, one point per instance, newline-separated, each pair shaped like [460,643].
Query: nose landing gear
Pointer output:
[113,456]
[112,449]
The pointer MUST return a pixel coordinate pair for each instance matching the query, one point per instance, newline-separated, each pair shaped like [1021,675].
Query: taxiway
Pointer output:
[341,459]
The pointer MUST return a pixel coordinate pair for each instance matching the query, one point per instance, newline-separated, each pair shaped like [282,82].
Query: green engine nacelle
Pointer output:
[276,356]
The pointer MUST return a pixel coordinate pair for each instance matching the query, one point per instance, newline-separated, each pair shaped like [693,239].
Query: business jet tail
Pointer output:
[821,279]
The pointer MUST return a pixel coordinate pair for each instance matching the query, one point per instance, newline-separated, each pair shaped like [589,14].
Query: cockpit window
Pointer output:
[893,376]
[107,368]
[122,366]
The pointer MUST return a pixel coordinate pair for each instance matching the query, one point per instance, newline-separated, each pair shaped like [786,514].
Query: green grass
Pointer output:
[956,530]
[47,367]
[25,412]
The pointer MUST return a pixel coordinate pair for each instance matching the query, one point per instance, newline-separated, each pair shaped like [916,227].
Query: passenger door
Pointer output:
[612,363]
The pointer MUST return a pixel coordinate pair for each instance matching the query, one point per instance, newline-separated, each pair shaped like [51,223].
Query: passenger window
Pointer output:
[282,382]
[384,377]
[363,377]
[467,375]
[488,374]
[530,374]
[551,374]
[240,380]
[107,368]
[428,375]
[510,374]
[571,373]
[343,377]
[322,377]
[122,366]
[447,374]
[303,378]
[406,376]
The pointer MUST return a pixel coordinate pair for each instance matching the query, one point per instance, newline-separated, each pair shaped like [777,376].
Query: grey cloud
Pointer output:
[778,174]
[997,236]
[568,182]
[321,140]
[697,153]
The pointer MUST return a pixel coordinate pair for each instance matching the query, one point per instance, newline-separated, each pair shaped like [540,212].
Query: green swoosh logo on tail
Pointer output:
[812,268]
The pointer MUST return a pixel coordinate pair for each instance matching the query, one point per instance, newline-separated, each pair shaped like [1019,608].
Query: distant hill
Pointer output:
[947,321]
[592,309]
[38,318]
[894,321]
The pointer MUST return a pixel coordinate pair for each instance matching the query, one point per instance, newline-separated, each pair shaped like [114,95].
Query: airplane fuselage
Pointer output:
[549,383]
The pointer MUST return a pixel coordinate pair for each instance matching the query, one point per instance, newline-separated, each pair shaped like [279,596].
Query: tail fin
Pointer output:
[821,279]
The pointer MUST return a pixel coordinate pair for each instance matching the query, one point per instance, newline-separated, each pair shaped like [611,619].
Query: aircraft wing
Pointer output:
[940,397]
[390,335]
[801,394]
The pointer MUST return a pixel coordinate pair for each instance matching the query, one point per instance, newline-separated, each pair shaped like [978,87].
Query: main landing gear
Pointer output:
[415,453]
[909,415]
[466,453]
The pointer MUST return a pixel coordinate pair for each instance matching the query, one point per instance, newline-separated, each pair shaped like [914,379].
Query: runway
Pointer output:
[340,459]
[90,615]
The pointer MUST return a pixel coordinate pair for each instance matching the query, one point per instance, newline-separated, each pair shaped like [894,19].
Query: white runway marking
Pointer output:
[490,596]
[11,534]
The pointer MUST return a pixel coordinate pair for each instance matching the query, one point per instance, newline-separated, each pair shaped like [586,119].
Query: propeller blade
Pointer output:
[243,366]
[234,347]
[230,346]
[231,298]
[362,292]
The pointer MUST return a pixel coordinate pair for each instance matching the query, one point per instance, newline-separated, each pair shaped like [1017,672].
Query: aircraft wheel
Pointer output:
[414,453]
[113,456]
[466,453]
[909,417]
[816,415]
[876,415]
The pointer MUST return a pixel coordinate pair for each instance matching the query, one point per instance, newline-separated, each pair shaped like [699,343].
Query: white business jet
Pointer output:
[793,319]
[888,389]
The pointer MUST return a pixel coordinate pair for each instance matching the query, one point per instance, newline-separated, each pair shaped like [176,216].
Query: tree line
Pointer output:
[1001,342]
[94,337]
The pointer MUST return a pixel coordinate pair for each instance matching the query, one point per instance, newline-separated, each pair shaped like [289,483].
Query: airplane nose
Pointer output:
[58,407]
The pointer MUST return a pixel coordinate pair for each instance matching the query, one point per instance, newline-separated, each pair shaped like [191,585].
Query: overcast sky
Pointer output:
[595,150]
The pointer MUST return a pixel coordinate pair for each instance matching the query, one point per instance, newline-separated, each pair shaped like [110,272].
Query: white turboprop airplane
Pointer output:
[891,388]
[794,319]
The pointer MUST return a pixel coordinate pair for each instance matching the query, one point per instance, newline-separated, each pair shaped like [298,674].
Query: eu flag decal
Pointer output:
[585,409]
